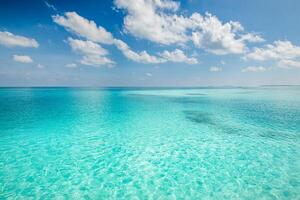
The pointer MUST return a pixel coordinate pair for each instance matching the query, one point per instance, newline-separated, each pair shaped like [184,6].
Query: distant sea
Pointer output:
[137,143]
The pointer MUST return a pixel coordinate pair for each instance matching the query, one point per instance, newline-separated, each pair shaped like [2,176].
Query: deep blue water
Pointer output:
[206,143]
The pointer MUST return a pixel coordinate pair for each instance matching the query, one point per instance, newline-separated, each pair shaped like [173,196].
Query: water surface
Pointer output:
[206,143]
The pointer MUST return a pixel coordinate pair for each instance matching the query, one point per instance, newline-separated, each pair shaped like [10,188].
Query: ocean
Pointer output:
[150,143]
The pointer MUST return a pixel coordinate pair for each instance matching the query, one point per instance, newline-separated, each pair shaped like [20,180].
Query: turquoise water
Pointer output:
[72,143]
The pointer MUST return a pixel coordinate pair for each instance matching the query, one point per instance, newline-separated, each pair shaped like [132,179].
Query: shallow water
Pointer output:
[222,143]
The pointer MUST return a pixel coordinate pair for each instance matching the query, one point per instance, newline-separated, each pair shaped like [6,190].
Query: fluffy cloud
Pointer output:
[286,64]
[146,19]
[277,51]
[89,30]
[83,27]
[22,59]
[218,38]
[250,37]
[86,47]
[283,52]
[96,60]
[10,40]
[255,69]
[215,69]
[156,21]
[177,56]
[142,57]
[93,53]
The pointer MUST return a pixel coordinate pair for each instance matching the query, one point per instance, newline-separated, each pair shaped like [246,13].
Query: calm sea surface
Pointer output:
[221,143]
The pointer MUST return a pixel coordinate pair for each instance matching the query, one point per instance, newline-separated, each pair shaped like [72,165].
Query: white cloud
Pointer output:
[89,30]
[146,19]
[149,74]
[93,53]
[10,40]
[86,47]
[156,21]
[83,27]
[96,60]
[251,37]
[142,57]
[284,53]
[177,56]
[255,69]
[22,59]
[277,51]
[215,69]
[218,38]
[286,64]
[71,65]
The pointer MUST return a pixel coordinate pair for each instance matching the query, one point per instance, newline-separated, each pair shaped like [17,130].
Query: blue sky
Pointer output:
[149,43]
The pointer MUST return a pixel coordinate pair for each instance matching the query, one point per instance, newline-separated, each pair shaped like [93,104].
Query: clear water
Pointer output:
[233,143]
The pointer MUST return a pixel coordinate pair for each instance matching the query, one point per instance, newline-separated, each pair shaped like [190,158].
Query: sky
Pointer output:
[149,43]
